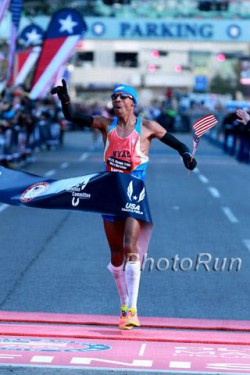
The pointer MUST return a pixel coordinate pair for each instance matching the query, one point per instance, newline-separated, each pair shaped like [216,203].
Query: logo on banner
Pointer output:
[34,191]
[133,205]
[77,192]
[99,28]
[234,31]
[50,345]
[132,197]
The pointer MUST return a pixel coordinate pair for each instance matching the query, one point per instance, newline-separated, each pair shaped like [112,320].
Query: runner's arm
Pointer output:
[174,143]
[160,133]
[78,118]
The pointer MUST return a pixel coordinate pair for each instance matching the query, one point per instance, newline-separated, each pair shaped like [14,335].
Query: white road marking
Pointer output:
[142,350]
[50,173]
[203,179]
[135,362]
[176,208]
[3,207]
[215,193]
[64,165]
[247,243]
[9,356]
[84,156]
[80,361]
[179,364]
[142,362]
[229,367]
[42,358]
[231,217]
[196,170]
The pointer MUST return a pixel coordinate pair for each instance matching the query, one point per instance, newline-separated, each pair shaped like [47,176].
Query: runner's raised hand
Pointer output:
[62,92]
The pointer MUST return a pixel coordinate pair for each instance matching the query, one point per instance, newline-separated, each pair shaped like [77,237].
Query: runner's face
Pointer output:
[122,103]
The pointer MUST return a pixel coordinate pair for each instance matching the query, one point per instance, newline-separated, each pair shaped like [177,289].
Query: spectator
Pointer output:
[230,126]
[244,136]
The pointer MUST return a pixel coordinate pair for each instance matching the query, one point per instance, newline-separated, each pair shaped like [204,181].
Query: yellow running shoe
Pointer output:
[123,318]
[132,318]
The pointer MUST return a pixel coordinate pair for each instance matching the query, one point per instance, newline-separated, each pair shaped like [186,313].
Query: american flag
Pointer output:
[200,127]
[3,7]
[15,9]
[61,38]
[31,38]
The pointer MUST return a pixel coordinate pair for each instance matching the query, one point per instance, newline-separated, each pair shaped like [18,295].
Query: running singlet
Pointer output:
[124,154]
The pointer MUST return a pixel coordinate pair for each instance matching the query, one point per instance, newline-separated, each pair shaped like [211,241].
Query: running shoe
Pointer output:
[132,318]
[123,317]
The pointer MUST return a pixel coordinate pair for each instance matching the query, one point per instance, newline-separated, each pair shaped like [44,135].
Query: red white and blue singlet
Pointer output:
[124,154]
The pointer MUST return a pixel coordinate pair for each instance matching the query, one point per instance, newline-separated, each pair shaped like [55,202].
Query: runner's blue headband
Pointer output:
[128,90]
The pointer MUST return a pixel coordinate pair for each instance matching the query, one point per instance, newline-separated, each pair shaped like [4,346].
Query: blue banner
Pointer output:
[106,192]
[168,29]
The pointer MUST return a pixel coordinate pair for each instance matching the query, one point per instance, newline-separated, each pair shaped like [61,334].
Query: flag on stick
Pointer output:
[65,30]
[15,8]
[3,7]
[200,127]
[31,39]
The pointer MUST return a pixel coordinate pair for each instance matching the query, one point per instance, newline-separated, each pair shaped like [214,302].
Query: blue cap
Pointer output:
[128,90]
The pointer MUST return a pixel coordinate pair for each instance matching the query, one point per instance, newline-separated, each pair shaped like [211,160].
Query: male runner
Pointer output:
[127,140]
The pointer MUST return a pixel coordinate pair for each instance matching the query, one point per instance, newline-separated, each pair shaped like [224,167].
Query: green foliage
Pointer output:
[221,85]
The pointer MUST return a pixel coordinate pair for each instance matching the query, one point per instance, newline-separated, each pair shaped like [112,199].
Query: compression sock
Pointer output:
[120,281]
[133,275]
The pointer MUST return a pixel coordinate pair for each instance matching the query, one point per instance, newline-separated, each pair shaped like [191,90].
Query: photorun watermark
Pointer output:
[202,261]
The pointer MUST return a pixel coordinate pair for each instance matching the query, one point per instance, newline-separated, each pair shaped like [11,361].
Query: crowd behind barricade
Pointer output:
[236,138]
[27,126]
[232,136]
[30,125]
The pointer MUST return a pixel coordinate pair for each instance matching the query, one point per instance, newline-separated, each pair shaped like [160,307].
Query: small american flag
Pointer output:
[200,127]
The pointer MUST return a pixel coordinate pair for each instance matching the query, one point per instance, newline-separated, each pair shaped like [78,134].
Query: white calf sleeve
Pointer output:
[133,275]
[120,280]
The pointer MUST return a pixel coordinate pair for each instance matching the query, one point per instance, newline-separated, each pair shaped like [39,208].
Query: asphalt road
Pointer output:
[55,261]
